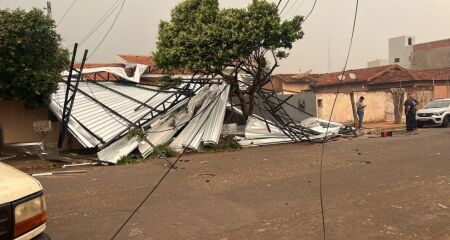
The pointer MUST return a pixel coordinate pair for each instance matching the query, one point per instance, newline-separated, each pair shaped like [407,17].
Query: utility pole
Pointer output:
[355,116]
[49,9]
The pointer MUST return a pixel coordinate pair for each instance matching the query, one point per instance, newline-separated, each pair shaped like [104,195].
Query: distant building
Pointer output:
[377,63]
[431,55]
[403,51]
[400,51]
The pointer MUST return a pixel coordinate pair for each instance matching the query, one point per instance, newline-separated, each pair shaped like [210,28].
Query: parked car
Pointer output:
[23,212]
[436,113]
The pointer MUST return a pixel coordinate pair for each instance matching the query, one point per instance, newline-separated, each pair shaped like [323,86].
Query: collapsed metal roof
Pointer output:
[105,111]
[190,116]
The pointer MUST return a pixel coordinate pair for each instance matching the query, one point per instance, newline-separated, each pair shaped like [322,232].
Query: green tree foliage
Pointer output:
[30,57]
[207,40]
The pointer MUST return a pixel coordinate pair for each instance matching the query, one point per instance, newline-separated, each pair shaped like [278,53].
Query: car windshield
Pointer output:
[438,104]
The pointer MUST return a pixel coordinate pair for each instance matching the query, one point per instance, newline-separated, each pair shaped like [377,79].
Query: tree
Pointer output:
[206,40]
[30,57]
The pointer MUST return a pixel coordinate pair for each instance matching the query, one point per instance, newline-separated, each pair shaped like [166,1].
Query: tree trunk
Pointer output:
[398,96]
[355,116]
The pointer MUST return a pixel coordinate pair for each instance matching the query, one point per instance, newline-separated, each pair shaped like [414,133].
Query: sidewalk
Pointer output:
[371,128]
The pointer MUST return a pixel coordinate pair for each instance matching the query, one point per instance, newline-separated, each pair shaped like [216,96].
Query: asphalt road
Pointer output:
[374,188]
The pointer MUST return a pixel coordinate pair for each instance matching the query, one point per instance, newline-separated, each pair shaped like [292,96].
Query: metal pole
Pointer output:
[49,9]
[355,116]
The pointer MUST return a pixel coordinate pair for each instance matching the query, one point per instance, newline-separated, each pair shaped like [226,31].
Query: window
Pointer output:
[302,105]
[397,60]
[320,103]
[409,41]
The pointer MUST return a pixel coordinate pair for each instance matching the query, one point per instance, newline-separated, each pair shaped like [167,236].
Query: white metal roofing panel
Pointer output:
[97,118]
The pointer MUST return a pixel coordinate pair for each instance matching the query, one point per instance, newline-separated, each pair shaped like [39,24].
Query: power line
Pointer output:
[278,5]
[285,5]
[292,7]
[100,22]
[329,120]
[298,7]
[66,12]
[165,173]
[109,30]
[311,11]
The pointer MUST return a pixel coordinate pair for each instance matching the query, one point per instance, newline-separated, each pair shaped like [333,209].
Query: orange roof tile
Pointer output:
[292,78]
[100,76]
[433,74]
[362,75]
[139,59]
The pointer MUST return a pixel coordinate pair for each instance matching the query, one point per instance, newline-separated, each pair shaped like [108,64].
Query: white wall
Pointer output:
[377,63]
[399,48]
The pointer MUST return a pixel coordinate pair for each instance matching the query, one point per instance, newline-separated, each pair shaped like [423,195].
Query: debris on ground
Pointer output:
[57,173]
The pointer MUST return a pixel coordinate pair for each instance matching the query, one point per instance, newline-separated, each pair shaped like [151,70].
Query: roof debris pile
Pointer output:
[190,116]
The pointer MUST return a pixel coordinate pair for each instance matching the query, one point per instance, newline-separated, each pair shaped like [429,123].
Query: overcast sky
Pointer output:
[329,27]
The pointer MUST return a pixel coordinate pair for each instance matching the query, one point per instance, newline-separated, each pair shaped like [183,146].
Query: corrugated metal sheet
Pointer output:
[192,134]
[92,123]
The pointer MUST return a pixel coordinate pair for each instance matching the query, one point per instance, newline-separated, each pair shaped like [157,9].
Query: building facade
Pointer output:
[400,51]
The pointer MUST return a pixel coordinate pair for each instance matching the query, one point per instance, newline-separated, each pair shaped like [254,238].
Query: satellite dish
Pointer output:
[341,77]
[352,76]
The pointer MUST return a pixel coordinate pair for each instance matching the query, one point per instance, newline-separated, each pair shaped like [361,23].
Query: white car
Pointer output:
[435,113]
[23,212]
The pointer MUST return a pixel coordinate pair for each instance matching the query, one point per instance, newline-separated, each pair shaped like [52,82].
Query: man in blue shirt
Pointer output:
[410,106]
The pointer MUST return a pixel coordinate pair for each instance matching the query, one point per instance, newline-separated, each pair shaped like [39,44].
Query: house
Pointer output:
[291,83]
[16,122]
[375,85]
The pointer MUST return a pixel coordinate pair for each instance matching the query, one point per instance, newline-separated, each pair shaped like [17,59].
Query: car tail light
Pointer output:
[29,215]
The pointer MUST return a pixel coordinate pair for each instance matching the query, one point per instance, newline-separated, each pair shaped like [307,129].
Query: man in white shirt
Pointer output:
[360,106]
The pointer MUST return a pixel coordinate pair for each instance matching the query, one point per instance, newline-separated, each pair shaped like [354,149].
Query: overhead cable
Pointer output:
[329,120]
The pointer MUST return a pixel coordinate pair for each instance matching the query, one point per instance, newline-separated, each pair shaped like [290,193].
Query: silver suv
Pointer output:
[436,113]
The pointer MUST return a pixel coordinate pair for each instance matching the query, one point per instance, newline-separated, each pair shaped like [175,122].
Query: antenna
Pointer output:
[341,77]
[329,55]
[49,9]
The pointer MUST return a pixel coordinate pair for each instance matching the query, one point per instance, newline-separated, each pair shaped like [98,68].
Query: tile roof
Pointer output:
[433,74]
[101,76]
[431,45]
[293,78]
[147,60]
[362,75]
[144,60]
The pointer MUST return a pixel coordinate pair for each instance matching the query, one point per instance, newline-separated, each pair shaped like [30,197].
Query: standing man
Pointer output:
[360,106]
[416,103]
[410,105]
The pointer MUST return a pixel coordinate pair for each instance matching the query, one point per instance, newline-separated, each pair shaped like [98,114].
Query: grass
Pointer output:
[226,143]
[163,149]
[127,160]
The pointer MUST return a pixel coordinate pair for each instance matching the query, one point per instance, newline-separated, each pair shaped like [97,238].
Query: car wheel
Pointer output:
[445,122]
[419,125]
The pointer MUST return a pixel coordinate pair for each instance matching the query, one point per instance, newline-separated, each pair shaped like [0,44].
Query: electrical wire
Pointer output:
[285,5]
[100,22]
[279,2]
[298,7]
[329,120]
[295,4]
[66,12]
[166,172]
[311,11]
[109,30]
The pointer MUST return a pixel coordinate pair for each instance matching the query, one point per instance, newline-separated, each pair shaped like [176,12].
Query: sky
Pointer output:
[323,48]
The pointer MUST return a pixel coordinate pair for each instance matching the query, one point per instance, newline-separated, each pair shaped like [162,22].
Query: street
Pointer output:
[374,188]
